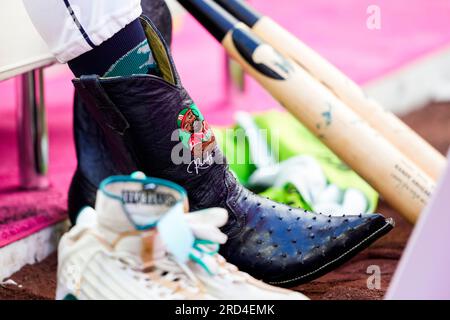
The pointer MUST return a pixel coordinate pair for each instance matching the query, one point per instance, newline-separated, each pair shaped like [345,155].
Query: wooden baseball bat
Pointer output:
[392,128]
[399,181]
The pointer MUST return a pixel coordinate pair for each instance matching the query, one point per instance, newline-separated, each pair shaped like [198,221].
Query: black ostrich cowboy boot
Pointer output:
[153,121]
[95,160]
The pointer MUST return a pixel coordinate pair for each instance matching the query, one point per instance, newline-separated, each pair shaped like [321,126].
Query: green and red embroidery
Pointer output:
[194,132]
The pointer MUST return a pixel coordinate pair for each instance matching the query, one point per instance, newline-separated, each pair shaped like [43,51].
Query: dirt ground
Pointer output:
[347,282]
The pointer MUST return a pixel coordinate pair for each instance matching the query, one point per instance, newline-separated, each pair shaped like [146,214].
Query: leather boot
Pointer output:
[153,122]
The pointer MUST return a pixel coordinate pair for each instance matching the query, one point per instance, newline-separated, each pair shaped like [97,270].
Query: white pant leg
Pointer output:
[73,27]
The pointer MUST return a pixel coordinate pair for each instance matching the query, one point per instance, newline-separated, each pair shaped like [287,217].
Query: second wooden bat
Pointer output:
[392,128]
[406,187]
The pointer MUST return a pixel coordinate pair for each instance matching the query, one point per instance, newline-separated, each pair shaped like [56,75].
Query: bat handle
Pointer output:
[213,17]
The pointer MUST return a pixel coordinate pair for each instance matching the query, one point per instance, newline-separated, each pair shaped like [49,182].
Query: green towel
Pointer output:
[294,139]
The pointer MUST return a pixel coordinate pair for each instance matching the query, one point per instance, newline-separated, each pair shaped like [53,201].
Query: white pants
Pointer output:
[73,27]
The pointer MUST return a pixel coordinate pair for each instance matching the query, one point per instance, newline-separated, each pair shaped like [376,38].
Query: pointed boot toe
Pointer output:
[287,246]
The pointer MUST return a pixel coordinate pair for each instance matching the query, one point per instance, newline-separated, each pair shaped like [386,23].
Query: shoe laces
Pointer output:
[169,270]
[213,263]
[161,277]
[206,247]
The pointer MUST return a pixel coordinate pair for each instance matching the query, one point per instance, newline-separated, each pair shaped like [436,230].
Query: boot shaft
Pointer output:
[150,122]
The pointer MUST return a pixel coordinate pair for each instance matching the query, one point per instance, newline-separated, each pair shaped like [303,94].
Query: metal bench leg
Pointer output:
[32,131]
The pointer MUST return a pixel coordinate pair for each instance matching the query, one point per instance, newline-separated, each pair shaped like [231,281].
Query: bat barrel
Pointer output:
[214,18]
[241,11]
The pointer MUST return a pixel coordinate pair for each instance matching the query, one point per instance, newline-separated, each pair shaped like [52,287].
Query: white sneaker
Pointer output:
[105,256]
[144,218]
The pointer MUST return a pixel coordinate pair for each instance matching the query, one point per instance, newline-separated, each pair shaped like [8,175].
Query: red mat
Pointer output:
[25,212]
